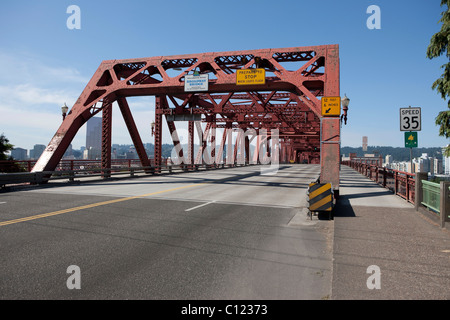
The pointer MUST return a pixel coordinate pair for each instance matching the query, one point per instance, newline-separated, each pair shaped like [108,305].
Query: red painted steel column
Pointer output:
[213,140]
[191,144]
[132,129]
[106,139]
[330,126]
[158,132]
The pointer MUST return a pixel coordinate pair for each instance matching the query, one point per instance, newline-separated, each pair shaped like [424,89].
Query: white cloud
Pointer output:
[26,96]
[26,69]
[31,95]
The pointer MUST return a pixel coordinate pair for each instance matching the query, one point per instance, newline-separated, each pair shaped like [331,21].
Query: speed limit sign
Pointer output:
[410,119]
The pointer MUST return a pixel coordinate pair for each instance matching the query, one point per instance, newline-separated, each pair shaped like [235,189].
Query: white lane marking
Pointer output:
[199,206]
[2,202]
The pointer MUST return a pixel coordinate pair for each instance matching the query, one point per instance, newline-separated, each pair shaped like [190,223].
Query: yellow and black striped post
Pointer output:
[320,197]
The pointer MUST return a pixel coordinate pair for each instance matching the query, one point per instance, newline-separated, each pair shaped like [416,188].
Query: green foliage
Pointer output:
[440,45]
[436,180]
[5,146]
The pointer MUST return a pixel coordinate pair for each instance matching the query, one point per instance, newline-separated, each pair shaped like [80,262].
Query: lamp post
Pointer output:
[345,101]
[153,128]
[64,110]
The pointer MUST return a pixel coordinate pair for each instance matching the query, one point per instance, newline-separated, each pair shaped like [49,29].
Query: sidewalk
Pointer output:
[372,226]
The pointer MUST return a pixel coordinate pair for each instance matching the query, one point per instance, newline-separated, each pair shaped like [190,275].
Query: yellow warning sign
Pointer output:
[250,76]
[320,197]
[331,106]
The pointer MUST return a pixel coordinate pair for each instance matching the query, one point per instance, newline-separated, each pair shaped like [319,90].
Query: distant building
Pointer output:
[131,153]
[445,163]
[19,154]
[69,153]
[37,150]
[92,154]
[404,166]
[93,138]
[388,160]
[422,163]
[437,166]
[364,143]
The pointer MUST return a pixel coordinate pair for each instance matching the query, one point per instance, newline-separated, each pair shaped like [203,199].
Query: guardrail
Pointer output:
[435,196]
[414,188]
[399,182]
[33,178]
[431,195]
[71,164]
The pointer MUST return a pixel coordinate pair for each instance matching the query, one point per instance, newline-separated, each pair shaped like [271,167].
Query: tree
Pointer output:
[5,146]
[439,45]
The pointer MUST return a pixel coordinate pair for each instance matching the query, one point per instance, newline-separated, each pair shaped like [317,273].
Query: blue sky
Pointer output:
[44,64]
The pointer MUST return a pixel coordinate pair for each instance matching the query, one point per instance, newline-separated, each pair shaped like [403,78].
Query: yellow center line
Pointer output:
[93,205]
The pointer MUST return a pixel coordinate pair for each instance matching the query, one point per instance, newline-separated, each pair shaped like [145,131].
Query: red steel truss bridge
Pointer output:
[288,100]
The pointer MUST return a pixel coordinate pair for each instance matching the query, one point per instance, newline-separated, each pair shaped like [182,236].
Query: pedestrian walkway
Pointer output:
[374,227]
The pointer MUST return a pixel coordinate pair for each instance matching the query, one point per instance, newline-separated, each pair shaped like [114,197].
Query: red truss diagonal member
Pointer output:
[289,100]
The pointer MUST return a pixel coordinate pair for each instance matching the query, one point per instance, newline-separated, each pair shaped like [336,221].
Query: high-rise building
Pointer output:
[19,154]
[94,137]
[37,150]
[423,163]
[437,166]
[445,163]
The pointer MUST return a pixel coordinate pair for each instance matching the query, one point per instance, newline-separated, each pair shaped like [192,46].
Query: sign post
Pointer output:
[410,122]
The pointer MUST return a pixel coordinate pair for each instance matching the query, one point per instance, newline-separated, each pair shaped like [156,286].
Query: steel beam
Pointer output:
[106,139]
[191,143]
[330,126]
[158,132]
[134,134]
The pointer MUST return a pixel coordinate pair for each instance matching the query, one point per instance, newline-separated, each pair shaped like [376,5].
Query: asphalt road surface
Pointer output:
[221,234]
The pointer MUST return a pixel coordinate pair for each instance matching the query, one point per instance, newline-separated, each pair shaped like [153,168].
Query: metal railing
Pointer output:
[399,182]
[71,164]
[414,188]
[33,178]
[431,195]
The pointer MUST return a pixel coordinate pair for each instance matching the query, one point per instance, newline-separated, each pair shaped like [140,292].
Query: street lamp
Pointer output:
[153,128]
[345,101]
[64,110]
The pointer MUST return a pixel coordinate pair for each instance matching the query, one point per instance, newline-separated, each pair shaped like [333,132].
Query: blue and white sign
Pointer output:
[196,83]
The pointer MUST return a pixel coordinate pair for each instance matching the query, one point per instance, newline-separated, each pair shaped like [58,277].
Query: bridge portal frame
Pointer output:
[287,101]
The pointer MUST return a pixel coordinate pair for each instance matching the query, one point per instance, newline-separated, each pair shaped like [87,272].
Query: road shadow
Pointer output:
[343,208]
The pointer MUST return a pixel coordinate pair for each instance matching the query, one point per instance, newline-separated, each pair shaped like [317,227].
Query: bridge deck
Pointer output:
[223,234]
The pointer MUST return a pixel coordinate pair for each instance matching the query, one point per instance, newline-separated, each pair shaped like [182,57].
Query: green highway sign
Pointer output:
[411,139]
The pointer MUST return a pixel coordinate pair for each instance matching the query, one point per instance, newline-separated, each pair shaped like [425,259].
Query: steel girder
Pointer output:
[289,100]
